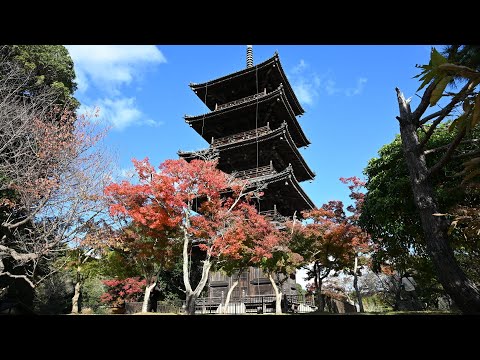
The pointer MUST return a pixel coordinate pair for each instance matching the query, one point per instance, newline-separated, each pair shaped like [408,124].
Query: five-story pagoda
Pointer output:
[253,128]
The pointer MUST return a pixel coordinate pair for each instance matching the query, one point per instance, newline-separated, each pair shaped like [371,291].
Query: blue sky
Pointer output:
[348,93]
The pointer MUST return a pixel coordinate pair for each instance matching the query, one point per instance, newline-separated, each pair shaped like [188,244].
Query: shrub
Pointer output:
[119,291]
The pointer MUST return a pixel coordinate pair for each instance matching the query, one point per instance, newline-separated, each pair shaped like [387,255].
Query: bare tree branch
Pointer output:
[434,150]
[24,277]
[448,154]
[52,174]
[433,116]
[460,96]
[430,131]
[424,102]
[466,155]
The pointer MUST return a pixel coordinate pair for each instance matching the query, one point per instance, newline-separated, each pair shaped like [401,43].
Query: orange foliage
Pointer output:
[225,227]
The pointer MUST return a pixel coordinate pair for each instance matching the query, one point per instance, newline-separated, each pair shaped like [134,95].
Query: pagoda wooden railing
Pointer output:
[250,134]
[274,215]
[258,304]
[256,172]
[241,101]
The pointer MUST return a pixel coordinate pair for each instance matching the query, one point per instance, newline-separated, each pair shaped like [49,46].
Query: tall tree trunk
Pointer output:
[320,301]
[146,297]
[229,294]
[355,285]
[398,293]
[461,289]
[278,295]
[76,297]
[315,280]
[191,297]
[320,296]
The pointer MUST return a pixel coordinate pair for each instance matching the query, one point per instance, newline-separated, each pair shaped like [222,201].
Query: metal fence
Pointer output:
[162,307]
[253,304]
[249,304]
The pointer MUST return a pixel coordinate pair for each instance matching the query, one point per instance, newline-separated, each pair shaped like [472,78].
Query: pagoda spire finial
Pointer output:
[249,56]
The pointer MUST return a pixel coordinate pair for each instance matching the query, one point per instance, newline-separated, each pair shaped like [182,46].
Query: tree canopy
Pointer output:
[49,65]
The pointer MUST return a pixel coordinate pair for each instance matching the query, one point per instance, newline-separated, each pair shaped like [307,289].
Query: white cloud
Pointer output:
[302,65]
[308,85]
[128,172]
[329,85]
[151,122]
[305,92]
[358,89]
[121,113]
[303,86]
[110,66]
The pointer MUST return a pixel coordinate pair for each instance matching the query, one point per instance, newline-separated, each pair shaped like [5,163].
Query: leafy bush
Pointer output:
[119,291]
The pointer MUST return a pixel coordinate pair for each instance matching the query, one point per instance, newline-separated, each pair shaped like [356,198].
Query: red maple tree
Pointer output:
[278,256]
[360,240]
[210,209]
[333,241]
[120,291]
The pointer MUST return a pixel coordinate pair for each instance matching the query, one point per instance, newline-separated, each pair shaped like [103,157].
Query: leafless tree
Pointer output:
[52,174]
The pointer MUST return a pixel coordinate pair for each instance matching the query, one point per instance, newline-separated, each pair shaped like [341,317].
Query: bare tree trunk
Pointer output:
[320,296]
[192,295]
[461,289]
[315,280]
[190,303]
[76,297]
[398,293]
[278,295]
[320,301]
[229,294]
[146,297]
[355,285]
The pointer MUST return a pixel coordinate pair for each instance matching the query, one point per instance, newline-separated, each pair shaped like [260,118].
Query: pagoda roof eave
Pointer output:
[274,60]
[277,133]
[289,87]
[274,134]
[268,62]
[286,174]
[268,97]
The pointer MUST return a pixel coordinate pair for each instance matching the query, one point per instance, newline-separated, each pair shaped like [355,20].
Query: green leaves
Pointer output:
[428,75]
[430,71]
[40,80]
[459,70]
[469,119]
[438,91]
[476,112]
[437,59]
[434,72]
[50,65]
[458,123]
[472,169]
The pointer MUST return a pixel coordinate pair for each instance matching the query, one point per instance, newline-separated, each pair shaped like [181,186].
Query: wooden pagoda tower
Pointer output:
[253,128]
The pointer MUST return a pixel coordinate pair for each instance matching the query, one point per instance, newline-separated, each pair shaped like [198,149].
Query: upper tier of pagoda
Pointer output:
[266,75]
[264,145]
[249,113]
